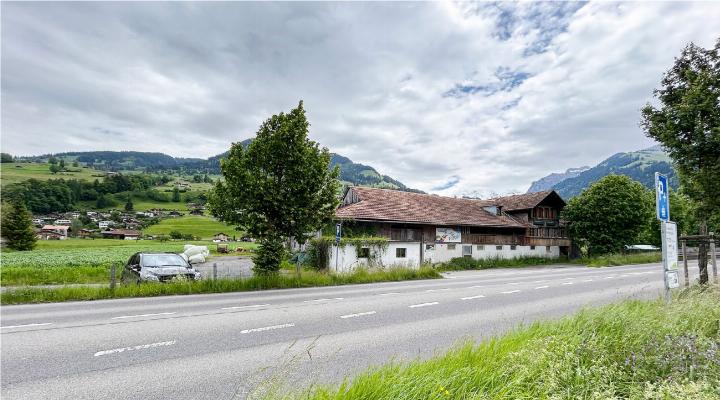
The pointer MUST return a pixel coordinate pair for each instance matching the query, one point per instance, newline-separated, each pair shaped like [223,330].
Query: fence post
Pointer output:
[714,256]
[112,276]
[214,271]
[685,266]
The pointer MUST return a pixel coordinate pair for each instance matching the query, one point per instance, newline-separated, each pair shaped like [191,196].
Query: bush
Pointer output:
[176,234]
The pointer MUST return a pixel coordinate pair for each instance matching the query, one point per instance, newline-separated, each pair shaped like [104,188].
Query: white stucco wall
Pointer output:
[348,260]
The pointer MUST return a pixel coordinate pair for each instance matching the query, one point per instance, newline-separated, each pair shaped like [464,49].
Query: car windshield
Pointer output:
[163,260]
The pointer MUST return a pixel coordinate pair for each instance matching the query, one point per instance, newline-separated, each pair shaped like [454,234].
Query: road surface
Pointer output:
[223,346]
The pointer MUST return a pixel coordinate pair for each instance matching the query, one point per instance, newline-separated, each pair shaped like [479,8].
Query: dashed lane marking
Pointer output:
[267,328]
[389,294]
[567,283]
[357,315]
[25,326]
[472,297]
[241,307]
[134,348]
[321,300]
[510,292]
[437,290]
[144,315]
[542,287]
[424,304]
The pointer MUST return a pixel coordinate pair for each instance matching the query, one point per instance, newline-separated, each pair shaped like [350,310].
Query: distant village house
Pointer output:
[122,234]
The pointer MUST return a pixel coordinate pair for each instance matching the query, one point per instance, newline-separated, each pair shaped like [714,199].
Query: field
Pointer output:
[198,225]
[10,173]
[79,260]
[631,350]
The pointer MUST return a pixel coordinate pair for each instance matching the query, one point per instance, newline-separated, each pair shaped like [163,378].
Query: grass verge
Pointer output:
[630,350]
[466,263]
[307,279]
[613,260]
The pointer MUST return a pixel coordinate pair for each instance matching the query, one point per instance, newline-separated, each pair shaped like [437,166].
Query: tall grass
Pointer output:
[630,350]
[307,279]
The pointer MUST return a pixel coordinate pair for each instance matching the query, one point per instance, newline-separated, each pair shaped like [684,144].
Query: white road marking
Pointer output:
[320,300]
[144,315]
[424,304]
[389,294]
[542,287]
[140,347]
[541,281]
[241,307]
[588,280]
[567,283]
[472,297]
[513,283]
[437,290]
[25,326]
[512,291]
[476,286]
[609,277]
[267,328]
[357,315]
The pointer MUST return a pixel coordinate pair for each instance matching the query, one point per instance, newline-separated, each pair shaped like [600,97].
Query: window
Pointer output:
[400,252]
[532,247]
[451,247]
[547,249]
[363,252]
[467,251]
[513,247]
[480,247]
[430,247]
[498,247]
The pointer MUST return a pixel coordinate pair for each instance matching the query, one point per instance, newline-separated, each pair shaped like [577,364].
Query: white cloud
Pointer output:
[456,97]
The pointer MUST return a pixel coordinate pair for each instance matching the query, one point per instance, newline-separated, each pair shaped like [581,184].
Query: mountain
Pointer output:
[350,172]
[639,165]
[553,179]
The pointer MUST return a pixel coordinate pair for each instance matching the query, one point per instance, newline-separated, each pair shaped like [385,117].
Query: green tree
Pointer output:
[280,187]
[129,204]
[687,124]
[176,195]
[609,214]
[176,234]
[75,226]
[7,158]
[52,160]
[62,164]
[54,168]
[75,164]
[17,227]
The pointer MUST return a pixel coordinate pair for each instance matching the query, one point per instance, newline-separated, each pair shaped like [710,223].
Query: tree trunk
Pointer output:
[702,255]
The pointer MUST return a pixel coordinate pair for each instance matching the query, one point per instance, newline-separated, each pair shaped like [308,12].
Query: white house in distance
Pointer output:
[105,224]
[430,228]
[66,222]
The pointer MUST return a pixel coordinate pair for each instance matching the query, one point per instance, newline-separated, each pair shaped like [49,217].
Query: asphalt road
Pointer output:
[222,346]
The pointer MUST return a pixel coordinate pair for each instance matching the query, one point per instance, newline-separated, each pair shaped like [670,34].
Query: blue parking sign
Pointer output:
[662,199]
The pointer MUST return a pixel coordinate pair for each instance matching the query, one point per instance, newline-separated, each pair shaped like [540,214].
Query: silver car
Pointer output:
[157,267]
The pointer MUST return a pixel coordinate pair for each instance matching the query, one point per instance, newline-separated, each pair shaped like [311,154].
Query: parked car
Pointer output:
[157,267]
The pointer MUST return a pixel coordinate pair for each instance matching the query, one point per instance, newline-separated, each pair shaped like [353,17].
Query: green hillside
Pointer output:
[638,165]
[18,172]
[197,225]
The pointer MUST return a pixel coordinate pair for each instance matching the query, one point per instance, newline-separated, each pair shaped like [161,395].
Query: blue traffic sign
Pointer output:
[662,199]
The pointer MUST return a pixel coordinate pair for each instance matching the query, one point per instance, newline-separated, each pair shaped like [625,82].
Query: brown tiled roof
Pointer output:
[397,206]
[55,227]
[519,201]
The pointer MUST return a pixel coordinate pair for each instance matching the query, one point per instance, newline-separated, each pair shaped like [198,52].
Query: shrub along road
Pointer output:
[215,346]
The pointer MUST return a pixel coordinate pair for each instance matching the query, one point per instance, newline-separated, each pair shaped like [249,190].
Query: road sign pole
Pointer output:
[664,261]
[338,233]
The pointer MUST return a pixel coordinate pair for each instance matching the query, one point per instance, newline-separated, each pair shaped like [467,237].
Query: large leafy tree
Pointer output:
[608,215]
[687,123]
[280,187]
[17,227]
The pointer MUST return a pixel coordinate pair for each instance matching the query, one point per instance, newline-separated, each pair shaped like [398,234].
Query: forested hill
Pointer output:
[638,165]
[350,172]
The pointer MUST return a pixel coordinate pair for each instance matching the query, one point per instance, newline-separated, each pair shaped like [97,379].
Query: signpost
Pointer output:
[668,234]
[338,232]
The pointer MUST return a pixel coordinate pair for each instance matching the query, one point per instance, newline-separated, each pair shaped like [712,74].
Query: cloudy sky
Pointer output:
[450,98]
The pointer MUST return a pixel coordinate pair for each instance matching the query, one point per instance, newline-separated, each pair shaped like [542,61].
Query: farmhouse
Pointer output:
[430,228]
[221,237]
[125,234]
[53,232]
